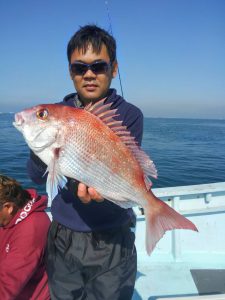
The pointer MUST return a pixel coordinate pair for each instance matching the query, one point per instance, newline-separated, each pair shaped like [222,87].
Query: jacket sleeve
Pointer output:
[24,257]
[36,169]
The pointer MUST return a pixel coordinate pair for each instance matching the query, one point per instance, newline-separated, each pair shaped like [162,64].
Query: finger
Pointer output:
[83,194]
[94,195]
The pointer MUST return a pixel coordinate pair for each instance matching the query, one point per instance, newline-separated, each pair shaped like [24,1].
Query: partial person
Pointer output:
[24,226]
[91,252]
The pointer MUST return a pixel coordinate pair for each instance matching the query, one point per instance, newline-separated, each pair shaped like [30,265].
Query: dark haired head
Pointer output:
[94,36]
[12,191]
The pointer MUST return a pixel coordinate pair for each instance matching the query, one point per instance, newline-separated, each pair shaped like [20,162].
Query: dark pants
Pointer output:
[91,265]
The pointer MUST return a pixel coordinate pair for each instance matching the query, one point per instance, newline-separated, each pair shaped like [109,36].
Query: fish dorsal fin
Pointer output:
[107,115]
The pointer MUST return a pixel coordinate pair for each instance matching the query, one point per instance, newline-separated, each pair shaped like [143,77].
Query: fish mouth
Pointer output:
[19,121]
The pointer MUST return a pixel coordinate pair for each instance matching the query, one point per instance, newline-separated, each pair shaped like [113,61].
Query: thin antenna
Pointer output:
[110,28]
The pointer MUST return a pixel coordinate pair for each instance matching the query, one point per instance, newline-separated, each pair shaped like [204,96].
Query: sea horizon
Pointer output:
[185,151]
[158,117]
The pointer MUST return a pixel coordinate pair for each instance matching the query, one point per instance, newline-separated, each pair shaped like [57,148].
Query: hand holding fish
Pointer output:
[87,194]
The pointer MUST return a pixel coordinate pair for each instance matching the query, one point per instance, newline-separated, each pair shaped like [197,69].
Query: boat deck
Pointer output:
[173,280]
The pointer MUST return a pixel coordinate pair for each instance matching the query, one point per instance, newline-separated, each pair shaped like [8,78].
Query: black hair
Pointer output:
[94,35]
[12,191]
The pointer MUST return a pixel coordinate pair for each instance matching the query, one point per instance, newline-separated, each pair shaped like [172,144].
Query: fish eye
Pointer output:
[42,114]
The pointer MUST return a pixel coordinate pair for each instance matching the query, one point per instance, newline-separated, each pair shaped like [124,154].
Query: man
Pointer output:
[91,252]
[23,235]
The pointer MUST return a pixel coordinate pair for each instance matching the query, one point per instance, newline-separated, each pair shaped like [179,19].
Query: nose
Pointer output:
[89,74]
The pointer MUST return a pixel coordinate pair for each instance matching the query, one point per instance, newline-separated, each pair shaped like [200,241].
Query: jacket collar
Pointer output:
[73,99]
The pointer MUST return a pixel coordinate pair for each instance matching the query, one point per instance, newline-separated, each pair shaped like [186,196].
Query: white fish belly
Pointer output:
[95,174]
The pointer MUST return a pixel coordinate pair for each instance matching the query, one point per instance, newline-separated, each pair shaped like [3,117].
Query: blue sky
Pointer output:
[171,52]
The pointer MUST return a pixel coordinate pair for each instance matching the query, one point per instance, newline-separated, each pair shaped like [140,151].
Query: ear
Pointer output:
[114,68]
[9,207]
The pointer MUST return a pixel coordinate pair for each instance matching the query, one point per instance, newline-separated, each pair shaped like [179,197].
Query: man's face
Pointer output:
[91,86]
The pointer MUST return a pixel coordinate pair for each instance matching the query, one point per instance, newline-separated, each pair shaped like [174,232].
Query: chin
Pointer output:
[90,98]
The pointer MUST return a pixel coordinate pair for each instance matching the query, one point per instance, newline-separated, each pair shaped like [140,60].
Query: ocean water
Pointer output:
[185,151]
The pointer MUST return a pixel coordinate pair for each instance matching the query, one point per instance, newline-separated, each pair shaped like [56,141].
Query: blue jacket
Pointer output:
[67,209]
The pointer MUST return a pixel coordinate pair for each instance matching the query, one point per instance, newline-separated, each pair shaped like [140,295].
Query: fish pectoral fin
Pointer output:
[55,180]
[53,184]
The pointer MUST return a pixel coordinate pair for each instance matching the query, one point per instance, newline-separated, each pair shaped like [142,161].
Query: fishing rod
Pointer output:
[110,28]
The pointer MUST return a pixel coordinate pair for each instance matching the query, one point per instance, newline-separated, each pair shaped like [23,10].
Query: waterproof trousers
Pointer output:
[91,265]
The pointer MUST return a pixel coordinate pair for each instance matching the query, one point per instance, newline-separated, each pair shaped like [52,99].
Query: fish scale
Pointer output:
[96,174]
[98,150]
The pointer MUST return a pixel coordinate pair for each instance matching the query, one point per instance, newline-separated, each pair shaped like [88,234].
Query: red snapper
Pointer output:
[90,146]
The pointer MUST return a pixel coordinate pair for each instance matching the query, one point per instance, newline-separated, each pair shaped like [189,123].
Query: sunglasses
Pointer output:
[98,67]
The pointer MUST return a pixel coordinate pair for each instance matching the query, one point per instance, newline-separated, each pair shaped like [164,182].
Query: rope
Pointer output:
[111,32]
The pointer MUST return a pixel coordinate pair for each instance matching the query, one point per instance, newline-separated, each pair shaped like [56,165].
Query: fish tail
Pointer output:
[160,217]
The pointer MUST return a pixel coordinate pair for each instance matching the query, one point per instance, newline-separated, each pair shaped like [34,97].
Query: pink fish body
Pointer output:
[90,146]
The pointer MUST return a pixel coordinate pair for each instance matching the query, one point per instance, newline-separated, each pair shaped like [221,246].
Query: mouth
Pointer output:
[90,87]
[18,121]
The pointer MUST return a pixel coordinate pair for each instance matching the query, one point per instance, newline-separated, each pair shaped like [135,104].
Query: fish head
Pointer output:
[39,126]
